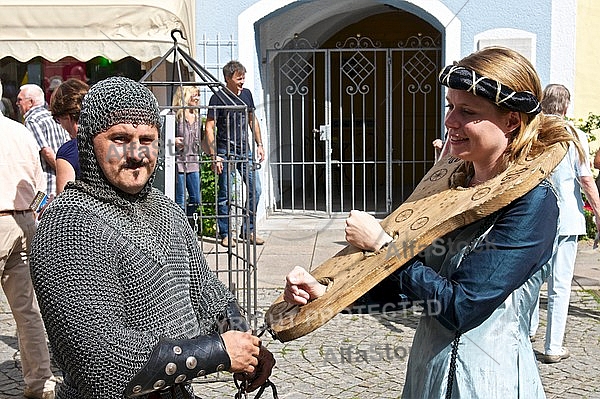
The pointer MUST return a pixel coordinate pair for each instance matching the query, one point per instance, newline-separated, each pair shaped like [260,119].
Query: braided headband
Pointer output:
[461,78]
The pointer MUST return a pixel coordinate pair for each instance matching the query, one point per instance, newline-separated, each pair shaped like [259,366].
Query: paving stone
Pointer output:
[313,366]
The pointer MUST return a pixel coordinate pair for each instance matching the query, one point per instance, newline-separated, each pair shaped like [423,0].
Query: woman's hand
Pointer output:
[179,143]
[364,231]
[301,287]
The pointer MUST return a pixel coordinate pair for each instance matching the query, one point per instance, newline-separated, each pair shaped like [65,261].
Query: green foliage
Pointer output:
[594,294]
[208,194]
[589,125]
[590,225]
[208,190]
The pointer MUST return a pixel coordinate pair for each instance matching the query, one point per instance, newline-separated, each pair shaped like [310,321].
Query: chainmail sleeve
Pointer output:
[205,288]
[112,282]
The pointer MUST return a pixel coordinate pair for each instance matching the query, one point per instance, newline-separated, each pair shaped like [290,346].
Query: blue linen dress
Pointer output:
[484,284]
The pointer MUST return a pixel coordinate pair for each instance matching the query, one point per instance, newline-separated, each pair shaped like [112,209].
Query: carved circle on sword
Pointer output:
[437,206]
[419,223]
[479,194]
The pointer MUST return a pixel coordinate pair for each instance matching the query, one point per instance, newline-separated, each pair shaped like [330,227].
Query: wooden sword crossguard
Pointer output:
[434,209]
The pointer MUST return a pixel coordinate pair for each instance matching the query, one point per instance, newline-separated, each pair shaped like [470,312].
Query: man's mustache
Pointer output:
[133,164]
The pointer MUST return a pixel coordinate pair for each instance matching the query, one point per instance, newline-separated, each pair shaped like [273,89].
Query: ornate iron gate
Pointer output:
[351,126]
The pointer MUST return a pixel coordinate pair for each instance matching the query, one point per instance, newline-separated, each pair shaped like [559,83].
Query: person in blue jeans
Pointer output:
[187,144]
[229,111]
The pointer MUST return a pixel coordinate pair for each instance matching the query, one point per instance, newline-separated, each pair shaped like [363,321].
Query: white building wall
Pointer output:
[563,39]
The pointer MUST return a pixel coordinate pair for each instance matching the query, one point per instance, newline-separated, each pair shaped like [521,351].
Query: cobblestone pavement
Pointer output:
[364,356]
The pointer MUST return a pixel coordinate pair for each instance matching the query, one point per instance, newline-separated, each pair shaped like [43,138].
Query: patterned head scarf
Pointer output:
[111,102]
[461,78]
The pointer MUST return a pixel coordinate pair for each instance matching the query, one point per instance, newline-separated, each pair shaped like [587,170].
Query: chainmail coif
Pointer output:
[110,102]
[115,272]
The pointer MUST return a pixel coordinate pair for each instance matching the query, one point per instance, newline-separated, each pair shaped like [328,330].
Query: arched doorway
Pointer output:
[354,117]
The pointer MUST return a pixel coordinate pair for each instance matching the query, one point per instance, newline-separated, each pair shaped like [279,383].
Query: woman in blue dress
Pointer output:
[483,278]
[65,106]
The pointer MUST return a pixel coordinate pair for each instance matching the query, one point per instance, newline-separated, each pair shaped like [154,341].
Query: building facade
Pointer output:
[346,90]
[587,80]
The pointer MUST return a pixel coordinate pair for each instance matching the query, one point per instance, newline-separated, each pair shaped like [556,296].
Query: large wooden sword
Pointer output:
[434,209]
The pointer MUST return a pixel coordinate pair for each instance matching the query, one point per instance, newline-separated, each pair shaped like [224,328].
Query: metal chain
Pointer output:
[242,389]
[485,225]
[264,328]
[452,371]
[243,385]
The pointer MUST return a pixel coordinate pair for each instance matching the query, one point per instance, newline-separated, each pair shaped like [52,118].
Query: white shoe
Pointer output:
[565,354]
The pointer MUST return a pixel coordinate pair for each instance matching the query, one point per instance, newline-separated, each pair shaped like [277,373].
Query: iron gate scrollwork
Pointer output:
[351,126]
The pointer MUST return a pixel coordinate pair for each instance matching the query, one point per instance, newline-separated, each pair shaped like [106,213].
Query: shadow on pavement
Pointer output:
[10,341]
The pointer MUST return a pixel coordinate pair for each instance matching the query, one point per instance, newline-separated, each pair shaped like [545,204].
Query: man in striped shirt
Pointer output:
[48,133]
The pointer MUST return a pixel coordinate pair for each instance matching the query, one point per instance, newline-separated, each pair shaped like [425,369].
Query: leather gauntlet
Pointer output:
[176,361]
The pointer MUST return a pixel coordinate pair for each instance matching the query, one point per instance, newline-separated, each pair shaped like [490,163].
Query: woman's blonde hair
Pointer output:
[536,132]
[182,100]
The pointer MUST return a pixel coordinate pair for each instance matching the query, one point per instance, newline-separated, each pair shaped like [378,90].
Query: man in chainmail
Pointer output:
[130,305]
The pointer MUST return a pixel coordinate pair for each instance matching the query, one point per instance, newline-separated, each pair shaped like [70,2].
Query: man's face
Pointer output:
[236,82]
[127,155]
[24,102]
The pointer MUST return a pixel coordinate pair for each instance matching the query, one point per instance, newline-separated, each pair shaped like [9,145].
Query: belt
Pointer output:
[14,213]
